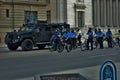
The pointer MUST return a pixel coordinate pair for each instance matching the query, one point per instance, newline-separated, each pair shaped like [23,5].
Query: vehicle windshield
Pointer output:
[27,28]
[64,26]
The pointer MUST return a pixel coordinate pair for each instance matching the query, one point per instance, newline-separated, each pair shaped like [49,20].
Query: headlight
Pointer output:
[18,37]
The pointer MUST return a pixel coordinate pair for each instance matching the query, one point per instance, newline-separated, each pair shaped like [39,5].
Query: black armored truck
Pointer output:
[33,35]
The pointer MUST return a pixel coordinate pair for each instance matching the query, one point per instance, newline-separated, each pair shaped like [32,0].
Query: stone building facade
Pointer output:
[102,14]
[69,11]
[106,13]
[57,11]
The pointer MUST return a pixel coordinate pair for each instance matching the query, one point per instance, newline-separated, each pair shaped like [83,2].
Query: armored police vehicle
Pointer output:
[33,35]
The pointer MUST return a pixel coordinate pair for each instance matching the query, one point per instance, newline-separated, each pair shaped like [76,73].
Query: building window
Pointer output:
[80,0]
[48,1]
[30,16]
[49,16]
[80,19]
[7,13]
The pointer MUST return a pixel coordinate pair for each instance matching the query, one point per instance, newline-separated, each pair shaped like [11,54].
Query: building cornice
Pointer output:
[26,3]
[79,6]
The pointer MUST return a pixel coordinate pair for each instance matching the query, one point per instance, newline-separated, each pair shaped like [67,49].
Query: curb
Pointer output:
[3,46]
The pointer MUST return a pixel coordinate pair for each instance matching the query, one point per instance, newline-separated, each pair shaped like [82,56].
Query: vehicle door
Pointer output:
[48,33]
[45,33]
[37,35]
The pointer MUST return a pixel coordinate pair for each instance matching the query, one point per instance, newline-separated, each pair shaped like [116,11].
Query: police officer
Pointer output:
[109,37]
[79,35]
[95,38]
[56,37]
[67,40]
[90,38]
[100,35]
[65,34]
[72,36]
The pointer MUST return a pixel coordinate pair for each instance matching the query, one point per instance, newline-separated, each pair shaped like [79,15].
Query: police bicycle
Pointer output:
[115,42]
[68,44]
[83,45]
[59,47]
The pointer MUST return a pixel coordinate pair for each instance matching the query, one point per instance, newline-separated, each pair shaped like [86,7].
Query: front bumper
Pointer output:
[12,40]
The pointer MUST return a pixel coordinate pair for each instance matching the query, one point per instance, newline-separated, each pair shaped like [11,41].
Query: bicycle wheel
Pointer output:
[69,49]
[60,48]
[83,46]
[118,42]
[52,46]
[95,44]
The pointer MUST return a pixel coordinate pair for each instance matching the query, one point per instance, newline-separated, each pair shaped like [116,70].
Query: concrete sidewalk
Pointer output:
[90,72]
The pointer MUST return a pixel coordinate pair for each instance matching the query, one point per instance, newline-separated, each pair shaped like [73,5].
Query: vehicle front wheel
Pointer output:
[12,47]
[27,45]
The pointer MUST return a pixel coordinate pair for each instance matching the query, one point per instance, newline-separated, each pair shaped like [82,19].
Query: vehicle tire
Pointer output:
[12,47]
[41,46]
[27,45]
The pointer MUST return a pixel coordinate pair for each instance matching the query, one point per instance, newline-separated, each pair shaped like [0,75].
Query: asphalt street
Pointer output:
[20,64]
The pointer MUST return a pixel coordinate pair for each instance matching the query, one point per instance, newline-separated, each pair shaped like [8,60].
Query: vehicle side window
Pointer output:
[40,29]
[47,29]
[54,27]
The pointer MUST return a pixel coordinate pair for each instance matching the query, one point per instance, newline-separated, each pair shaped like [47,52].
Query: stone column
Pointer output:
[57,11]
[98,11]
[117,15]
[76,14]
[105,13]
[111,23]
[95,12]
[76,17]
